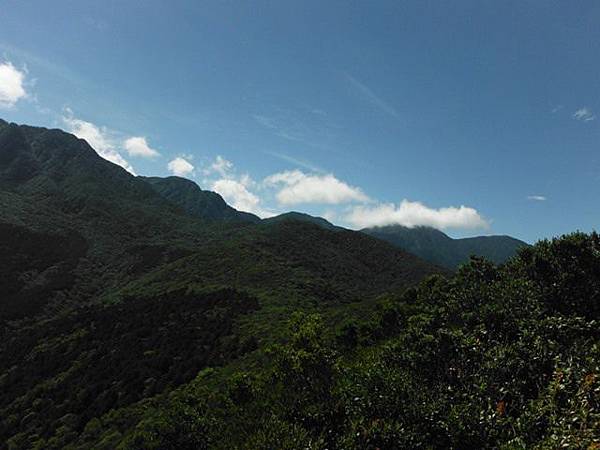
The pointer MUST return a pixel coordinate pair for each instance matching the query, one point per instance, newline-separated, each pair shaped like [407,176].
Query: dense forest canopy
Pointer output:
[495,357]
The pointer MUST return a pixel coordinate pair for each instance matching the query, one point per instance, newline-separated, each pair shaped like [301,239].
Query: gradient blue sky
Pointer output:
[342,109]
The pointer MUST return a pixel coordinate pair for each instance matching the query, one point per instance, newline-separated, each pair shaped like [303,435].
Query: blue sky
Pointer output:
[477,117]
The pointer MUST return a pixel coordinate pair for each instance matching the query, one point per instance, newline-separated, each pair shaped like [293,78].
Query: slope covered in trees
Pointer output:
[114,292]
[197,202]
[86,226]
[439,248]
[128,321]
[495,357]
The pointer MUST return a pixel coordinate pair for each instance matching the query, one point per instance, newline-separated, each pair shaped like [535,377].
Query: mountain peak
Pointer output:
[302,217]
[196,201]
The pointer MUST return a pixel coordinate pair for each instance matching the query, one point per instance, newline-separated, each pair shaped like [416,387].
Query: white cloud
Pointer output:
[412,214]
[299,187]
[235,189]
[180,167]
[98,138]
[237,195]
[221,166]
[12,88]
[137,146]
[536,198]
[584,114]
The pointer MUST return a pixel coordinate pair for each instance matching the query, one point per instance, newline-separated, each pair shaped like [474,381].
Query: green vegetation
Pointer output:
[196,202]
[131,321]
[487,359]
[435,246]
[301,217]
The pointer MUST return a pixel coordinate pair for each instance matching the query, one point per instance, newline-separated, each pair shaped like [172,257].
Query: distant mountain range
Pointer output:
[86,226]
[439,248]
[428,243]
[155,277]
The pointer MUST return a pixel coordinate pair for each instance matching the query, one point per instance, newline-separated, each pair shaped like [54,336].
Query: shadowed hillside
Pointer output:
[144,315]
[197,202]
[438,248]
[119,288]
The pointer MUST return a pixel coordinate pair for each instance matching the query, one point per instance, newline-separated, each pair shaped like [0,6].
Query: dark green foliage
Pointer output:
[301,217]
[204,204]
[100,358]
[53,184]
[435,246]
[114,294]
[128,322]
[34,265]
[568,272]
[477,361]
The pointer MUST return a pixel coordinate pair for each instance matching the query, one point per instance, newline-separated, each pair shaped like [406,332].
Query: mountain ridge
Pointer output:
[196,201]
[131,321]
[54,186]
[302,217]
[435,246]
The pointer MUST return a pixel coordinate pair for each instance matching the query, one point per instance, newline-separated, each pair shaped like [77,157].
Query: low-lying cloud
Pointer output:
[345,202]
[180,167]
[137,146]
[412,214]
[237,195]
[237,190]
[98,138]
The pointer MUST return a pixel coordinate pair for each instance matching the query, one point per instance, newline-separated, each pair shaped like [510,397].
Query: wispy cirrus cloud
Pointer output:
[296,161]
[368,95]
[537,198]
[45,64]
[284,127]
[300,124]
[584,114]
[221,166]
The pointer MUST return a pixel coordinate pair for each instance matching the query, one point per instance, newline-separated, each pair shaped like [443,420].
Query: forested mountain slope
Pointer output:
[495,357]
[96,225]
[116,290]
[130,321]
[197,202]
[437,247]
[302,217]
